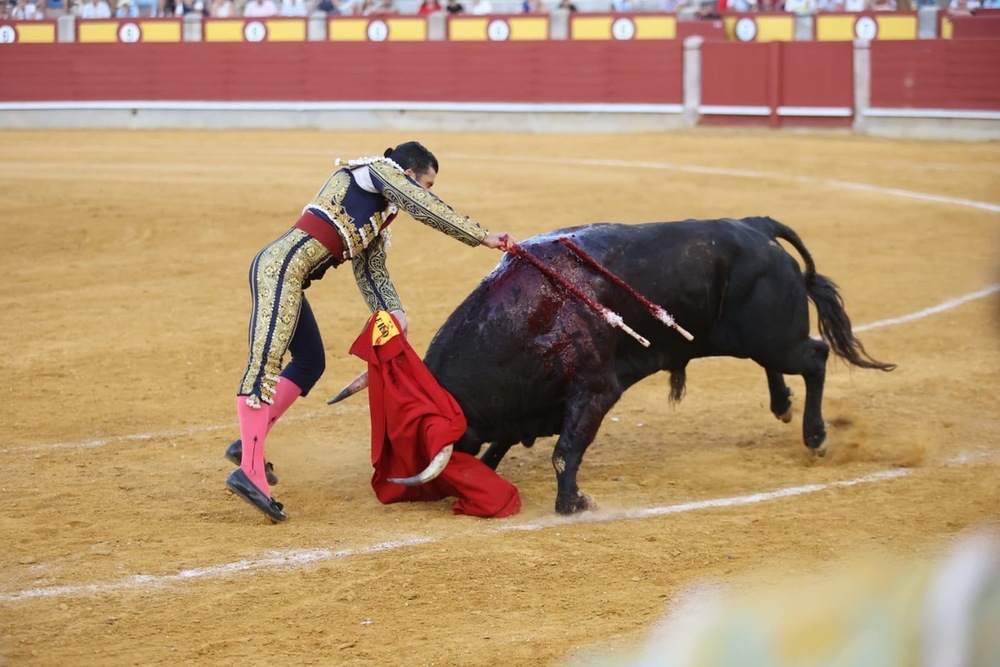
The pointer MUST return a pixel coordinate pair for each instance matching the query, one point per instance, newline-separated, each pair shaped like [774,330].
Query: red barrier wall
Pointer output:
[976,27]
[938,74]
[739,73]
[779,74]
[545,71]
[818,74]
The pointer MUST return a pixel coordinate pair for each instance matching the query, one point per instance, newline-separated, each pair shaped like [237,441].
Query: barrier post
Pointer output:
[805,27]
[927,22]
[692,79]
[66,28]
[862,82]
[191,30]
[316,27]
[437,26]
[559,24]
[775,65]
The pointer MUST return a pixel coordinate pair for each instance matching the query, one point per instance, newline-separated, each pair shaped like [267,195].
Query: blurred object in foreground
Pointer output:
[888,612]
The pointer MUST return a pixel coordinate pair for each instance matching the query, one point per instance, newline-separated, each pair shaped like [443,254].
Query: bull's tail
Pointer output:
[834,324]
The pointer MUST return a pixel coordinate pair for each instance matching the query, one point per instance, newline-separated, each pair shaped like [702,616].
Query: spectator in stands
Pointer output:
[148,8]
[883,5]
[26,11]
[800,6]
[222,9]
[126,9]
[855,5]
[622,6]
[294,8]
[382,8]
[328,7]
[567,5]
[742,5]
[429,7]
[260,9]
[454,7]
[481,7]
[830,6]
[52,9]
[95,9]
[183,7]
[963,7]
[707,9]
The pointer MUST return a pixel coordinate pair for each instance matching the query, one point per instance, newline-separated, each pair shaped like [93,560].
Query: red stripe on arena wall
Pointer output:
[549,71]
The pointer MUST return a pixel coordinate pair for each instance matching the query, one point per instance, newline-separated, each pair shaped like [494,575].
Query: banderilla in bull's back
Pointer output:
[615,320]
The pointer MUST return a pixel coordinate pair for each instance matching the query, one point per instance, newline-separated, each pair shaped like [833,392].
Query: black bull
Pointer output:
[525,359]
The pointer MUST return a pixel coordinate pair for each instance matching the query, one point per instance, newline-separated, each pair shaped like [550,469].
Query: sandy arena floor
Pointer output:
[124,309]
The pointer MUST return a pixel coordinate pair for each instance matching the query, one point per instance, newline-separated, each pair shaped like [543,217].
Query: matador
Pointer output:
[347,220]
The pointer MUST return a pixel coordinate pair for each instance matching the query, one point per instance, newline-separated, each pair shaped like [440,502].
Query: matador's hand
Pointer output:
[499,241]
[401,318]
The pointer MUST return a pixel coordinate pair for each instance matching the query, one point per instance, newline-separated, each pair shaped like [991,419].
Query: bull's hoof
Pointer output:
[574,504]
[785,416]
[817,443]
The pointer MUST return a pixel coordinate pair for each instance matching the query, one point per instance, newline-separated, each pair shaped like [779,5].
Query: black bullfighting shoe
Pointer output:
[234,452]
[241,485]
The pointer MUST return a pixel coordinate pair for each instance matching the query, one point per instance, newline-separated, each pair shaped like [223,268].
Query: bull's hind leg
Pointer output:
[808,359]
[781,402]
[815,354]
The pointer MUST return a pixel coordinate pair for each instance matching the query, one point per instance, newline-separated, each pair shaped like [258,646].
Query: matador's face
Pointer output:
[425,180]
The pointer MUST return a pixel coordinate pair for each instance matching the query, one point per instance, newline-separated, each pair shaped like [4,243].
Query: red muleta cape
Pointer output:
[414,418]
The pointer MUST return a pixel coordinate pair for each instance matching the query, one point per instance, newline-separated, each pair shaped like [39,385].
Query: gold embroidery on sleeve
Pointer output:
[424,206]
[373,279]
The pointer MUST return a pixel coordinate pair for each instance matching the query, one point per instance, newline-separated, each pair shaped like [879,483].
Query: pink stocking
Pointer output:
[253,430]
[284,395]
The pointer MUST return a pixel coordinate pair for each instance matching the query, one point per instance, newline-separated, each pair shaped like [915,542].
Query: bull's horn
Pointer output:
[356,385]
[433,470]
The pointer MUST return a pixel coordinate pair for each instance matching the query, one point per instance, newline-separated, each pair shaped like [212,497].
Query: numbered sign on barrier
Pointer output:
[376,29]
[35,32]
[848,26]
[761,27]
[497,28]
[284,29]
[129,31]
[622,28]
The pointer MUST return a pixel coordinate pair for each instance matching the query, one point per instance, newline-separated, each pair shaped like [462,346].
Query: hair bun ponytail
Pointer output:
[387,153]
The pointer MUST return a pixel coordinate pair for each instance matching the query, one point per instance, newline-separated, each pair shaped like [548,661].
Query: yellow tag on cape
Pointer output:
[385,328]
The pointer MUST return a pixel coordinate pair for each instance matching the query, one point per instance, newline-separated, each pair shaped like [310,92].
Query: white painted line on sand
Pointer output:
[277,560]
[740,173]
[933,310]
[297,558]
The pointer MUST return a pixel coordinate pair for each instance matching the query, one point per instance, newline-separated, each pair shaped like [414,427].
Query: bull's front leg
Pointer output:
[566,461]
[583,419]
[495,453]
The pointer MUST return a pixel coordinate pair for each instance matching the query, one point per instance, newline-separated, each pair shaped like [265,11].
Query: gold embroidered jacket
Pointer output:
[361,213]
